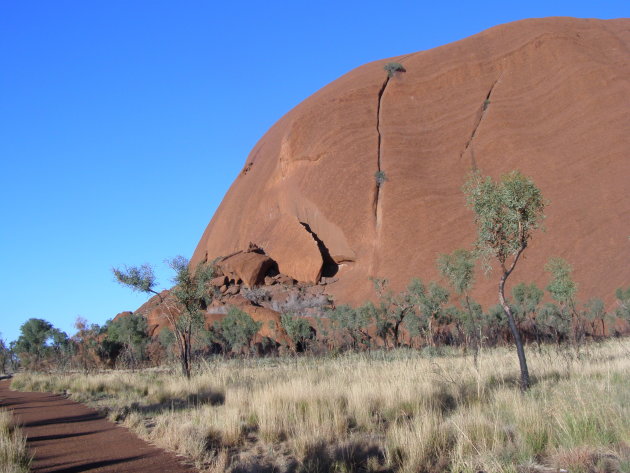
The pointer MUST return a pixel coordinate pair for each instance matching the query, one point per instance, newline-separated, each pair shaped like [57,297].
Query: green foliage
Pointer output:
[138,278]
[494,322]
[192,292]
[506,213]
[166,337]
[131,332]
[470,320]
[392,310]
[353,322]
[237,328]
[298,329]
[459,268]
[34,335]
[380,178]
[561,287]
[555,319]
[594,309]
[623,301]
[427,307]
[4,355]
[393,67]
[430,300]
[526,299]
[39,340]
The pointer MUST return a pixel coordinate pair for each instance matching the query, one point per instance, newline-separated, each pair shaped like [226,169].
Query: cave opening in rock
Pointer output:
[329,266]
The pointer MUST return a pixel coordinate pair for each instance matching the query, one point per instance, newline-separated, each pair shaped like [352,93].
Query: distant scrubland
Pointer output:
[380,411]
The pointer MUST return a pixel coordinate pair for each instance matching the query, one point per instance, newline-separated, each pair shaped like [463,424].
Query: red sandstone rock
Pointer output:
[219,281]
[249,267]
[546,96]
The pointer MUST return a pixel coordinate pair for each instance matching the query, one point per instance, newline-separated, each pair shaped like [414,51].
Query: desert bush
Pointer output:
[298,330]
[237,329]
[392,68]
[380,177]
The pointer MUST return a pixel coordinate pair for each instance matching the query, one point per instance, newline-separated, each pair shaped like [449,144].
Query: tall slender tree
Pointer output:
[506,214]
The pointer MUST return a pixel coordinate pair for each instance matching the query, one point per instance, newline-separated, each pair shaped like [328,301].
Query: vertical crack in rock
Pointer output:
[329,266]
[377,182]
[482,113]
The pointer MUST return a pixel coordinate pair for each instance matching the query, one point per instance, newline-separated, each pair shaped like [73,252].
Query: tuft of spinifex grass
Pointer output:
[14,457]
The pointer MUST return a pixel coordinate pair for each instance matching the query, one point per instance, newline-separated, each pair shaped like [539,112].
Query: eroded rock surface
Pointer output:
[546,96]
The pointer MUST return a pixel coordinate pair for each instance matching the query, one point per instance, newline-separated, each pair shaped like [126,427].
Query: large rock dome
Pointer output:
[550,97]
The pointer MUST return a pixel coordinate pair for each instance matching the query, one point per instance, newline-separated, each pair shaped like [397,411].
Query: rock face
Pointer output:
[547,96]
[250,267]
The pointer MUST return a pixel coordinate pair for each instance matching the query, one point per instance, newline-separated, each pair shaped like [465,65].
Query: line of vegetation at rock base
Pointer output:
[14,457]
[399,410]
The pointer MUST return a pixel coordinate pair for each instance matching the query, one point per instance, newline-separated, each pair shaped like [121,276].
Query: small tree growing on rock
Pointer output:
[506,214]
[392,68]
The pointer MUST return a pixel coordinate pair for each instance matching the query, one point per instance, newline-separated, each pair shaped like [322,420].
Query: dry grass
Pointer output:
[13,455]
[382,411]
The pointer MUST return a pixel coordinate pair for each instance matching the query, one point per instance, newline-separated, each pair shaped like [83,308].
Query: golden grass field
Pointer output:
[13,455]
[395,411]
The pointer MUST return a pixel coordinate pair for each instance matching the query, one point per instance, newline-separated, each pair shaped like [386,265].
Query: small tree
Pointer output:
[352,322]
[38,341]
[506,214]
[459,268]
[4,355]
[563,289]
[392,68]
[193,293]
[595,311]
[393,309]
[555,320]
[87,344]
[130,332]
[238,329]
[429,302]
[623,303]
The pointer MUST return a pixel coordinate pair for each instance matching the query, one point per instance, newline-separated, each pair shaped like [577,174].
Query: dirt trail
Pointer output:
[67,436]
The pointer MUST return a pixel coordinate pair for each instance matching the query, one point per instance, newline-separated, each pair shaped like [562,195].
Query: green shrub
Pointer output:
[297,328]
[393,67]
[238,329]
[380,177]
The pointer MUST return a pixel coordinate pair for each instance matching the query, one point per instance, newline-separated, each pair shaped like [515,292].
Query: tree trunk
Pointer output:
[515,333]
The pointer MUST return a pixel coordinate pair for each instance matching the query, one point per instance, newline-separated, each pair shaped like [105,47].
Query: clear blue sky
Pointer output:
[123,123]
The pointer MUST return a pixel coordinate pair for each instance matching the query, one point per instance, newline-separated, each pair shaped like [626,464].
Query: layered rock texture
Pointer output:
[550,97]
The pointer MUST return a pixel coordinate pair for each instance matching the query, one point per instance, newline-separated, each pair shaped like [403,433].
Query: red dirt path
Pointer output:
[64,435]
